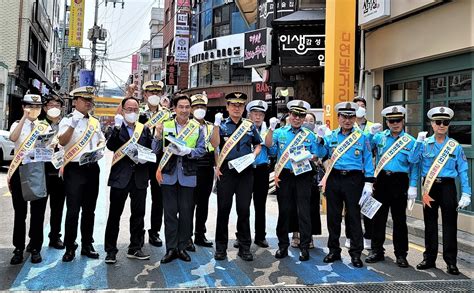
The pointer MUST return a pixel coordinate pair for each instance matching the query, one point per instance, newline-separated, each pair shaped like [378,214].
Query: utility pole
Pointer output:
[94,38]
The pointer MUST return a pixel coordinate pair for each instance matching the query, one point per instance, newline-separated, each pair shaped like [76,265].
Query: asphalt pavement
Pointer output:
[203,271]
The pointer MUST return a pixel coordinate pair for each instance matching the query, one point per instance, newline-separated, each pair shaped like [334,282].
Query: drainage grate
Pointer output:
[416,286]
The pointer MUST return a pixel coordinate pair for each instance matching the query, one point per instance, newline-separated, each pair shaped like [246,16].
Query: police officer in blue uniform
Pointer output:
[294,188]
[395,184]
[351,177]
[443,192]
[230,181]
[261,174]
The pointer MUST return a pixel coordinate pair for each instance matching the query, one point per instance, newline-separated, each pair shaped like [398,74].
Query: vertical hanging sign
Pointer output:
[76,23]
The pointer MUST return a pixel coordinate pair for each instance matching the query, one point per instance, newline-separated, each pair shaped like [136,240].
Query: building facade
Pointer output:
[419,56]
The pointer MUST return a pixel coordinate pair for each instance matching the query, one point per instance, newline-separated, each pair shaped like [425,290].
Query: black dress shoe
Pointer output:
[401,261]
[453,270]
[36,256]
[425,264]
[90,252]
[236,243]
[245,255]
[154,239]
[56,243]
[262,243]
[137,254]
[356,262]
[374,257]
[111,258]
[201,240]
[69,255]
[169,256]
[304,254]
[220,255]
[17,257]
[190,246]
[281,253]
[184,256]
[332,257]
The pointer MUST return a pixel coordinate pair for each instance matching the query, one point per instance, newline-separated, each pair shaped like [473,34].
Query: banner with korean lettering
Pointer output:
[171,71]
[76,23]
[340,56]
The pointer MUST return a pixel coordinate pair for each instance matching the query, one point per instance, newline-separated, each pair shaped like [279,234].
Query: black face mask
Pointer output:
[309,126]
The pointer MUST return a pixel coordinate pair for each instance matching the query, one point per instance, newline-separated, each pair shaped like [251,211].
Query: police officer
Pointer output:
[396,181]
[177,175]
[152,93]
[442,159]
[205,174]
[80,132]
[261,174]
[127,177]
[293,186]
[349,175]
[20,132]
[54,183]
[235,137]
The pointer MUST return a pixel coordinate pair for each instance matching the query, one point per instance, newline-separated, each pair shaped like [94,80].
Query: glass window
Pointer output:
[395,92]
[413,90]
[462,109]
[204,74]
[437,87]
[460,85]
[461,133]
[240,74]
[194,76]
[306,4]
[413,129]
[414,113]
[221,21]
[157,53]
[221,30]
[220,72]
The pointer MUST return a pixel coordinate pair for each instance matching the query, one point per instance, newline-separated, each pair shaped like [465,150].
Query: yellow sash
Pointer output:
[183,135]
[119,154]
[26,146]
[341,149]
[158,117]
[233,140]
[391,153]
[73,151]
[285,156]
[434,170]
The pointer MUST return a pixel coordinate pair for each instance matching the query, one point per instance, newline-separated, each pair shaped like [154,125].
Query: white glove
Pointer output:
[74,121]
[421,136]
[412,192]
[118,120]
[322,130]
[366,192]
[179,150]
[464,201]
[273,123]
[375,128]
[218,119]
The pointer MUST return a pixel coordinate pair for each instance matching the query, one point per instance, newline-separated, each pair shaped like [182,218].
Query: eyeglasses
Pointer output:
[444,122]
[130,110]
[346,117]
[395,121]
[299,115]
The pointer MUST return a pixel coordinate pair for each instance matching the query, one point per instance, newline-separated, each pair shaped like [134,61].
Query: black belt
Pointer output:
[391,173]
[346,172]
[442,180]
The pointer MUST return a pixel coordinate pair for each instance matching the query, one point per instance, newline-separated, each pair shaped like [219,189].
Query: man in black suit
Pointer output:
[127,177]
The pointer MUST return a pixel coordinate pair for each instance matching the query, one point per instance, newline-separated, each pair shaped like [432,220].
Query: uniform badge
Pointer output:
[357,152]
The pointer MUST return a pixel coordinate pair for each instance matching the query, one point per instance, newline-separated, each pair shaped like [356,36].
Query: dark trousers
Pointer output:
[445,197]
[202,192]
[82,189]
[20,206]
[240,184]
[118,197]
[368,227]
[294,191]
[344,191]
[57,197]
[261,178]
[391,191]
[178,205]
[156,217]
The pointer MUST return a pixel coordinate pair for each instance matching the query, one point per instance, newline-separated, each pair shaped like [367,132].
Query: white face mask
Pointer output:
[53,112]
[131,117]
[199,113]
[154,100]
[360,112]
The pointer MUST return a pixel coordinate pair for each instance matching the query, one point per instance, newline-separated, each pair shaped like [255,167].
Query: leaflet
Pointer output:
[44,140]
[145,154]
[241,163]
[299,159]
[38,155]
[175,140]
[92,156]
[370,207]
[58,159]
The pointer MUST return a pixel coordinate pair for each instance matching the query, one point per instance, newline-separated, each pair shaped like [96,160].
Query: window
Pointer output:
[33,50]
[221,21]
[193,76]
[220,72]
[204,74]
[311,4]
[157,53]
[240,74]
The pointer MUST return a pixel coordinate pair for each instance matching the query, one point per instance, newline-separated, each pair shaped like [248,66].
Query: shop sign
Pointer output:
[257,49]
[171,71]
[299,48]
[181,49]
[373,10]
